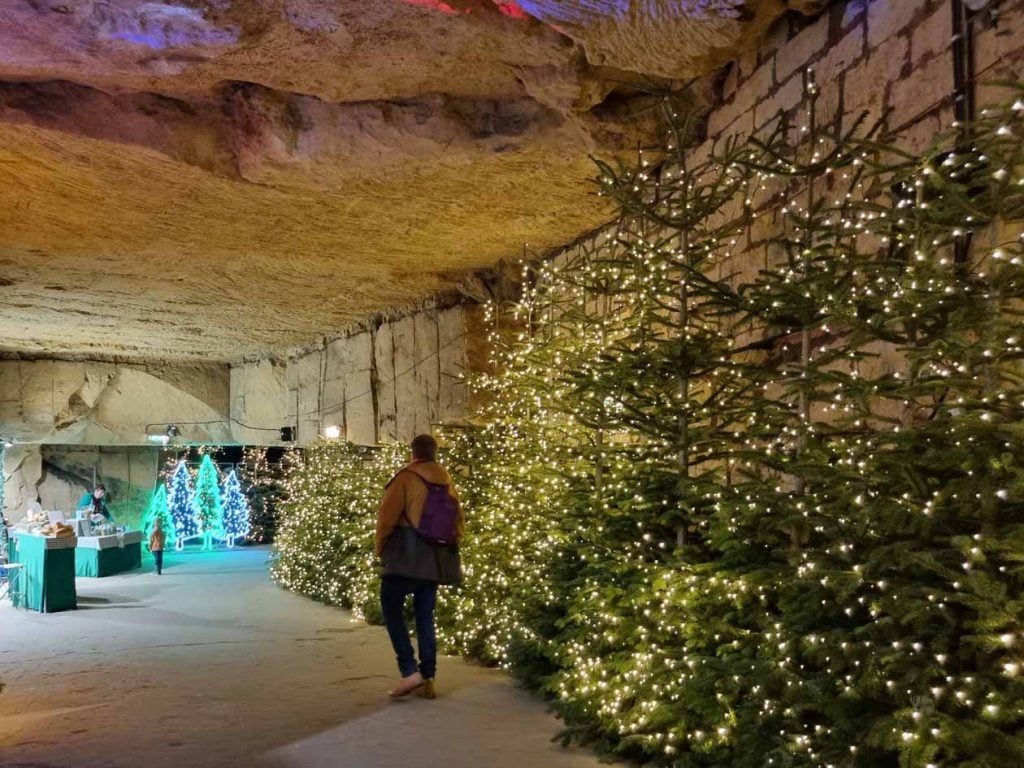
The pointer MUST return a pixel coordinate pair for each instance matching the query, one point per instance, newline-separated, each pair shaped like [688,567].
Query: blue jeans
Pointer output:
[393,591]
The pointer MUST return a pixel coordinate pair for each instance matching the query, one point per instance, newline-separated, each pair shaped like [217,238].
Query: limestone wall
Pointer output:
[96,403]
[75,421]
[68,418]
[385,384]
[56,476]
[890,59]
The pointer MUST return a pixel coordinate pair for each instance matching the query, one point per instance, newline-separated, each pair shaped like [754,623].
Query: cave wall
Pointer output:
[890,59]
[384,384]
[68,419]
[57,475]
[102,403]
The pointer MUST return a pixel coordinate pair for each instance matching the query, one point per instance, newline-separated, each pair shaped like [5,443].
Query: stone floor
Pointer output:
[211,665]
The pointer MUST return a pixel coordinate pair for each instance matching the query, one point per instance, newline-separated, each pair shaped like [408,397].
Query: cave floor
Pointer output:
[211,664]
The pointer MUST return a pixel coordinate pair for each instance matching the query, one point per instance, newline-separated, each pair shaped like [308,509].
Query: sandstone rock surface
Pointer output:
[221,178]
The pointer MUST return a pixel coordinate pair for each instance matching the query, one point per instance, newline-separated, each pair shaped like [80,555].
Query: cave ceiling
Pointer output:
[221,178]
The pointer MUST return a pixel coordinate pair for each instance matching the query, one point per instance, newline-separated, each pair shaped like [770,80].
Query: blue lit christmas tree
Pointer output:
[236,509]
[206,506]
[179,501]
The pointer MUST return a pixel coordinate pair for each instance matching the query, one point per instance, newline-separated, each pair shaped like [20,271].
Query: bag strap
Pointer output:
[421,477]
[425,482]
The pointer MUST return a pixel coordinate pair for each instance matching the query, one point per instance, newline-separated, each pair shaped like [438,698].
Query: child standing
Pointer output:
[157,539]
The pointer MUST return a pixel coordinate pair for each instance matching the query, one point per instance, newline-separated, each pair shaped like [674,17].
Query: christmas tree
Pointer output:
[179,501]
[159,510]
[236,509]
[324,546]
[261,476]
[909,607]
[206,505]
[746,486]
[506,472]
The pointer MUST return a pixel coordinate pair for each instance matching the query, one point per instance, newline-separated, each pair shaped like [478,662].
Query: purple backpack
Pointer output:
[440,513]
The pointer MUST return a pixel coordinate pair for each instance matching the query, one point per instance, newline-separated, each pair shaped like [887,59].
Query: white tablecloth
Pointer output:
[113,540]
[52,542]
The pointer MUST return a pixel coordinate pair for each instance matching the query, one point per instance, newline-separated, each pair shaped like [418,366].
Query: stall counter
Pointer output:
[98,556]
[49,577]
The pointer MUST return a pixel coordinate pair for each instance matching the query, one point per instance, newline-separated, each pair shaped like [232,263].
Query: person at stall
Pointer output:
[96,500]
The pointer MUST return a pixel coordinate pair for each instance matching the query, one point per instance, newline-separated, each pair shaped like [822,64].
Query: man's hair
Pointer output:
[424,448]
[100,487]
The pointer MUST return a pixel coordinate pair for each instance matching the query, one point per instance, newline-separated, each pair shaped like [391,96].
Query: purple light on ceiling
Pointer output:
[161,25]
[148,39]
[593,11]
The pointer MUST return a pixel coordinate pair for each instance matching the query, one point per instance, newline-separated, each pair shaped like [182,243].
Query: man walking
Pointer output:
[418,528]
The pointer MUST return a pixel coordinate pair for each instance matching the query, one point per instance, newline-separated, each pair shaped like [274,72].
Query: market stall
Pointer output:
[49,577]
[97,556]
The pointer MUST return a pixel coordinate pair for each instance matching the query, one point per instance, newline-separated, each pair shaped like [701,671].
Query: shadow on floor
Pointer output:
[508,731]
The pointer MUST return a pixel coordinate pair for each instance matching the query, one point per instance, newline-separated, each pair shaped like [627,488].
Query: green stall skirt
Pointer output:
[48,583]
[106,562]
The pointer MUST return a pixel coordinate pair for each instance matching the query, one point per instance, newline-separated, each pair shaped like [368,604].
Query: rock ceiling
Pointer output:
[217,178]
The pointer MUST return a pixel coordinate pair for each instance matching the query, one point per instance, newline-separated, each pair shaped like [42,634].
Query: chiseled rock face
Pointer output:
[670,38]
[217,178]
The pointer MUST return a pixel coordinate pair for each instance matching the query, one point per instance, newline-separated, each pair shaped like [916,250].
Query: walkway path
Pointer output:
[212,666]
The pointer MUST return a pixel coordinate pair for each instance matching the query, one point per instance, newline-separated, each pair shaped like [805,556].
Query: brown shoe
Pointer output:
[406,685]
[426,690]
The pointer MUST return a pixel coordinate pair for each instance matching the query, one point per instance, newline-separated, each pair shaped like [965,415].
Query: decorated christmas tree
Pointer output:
[235,508]
[261,476]
[909,605]
[324,547]
[159,510]
[745,487]
[179,501]
[513,494]
[206,504]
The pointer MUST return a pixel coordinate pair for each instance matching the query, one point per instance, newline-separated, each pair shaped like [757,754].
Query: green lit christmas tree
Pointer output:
[916,649]
[206,504]
[159,510]
[261,480]
[509,469]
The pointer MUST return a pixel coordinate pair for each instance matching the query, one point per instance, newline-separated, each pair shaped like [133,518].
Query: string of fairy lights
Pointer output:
[736,515]
[208,508]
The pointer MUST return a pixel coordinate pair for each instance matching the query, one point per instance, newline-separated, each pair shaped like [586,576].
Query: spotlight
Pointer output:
[287,434]
[333,432]
[172,431]
[8,443]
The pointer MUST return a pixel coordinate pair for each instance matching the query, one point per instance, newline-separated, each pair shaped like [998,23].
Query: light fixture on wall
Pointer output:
[976,5]
[332,432]
[162,438]
[7,442]
[287,434]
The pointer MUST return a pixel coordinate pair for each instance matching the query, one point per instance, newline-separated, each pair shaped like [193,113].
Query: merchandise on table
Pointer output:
[57,529]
